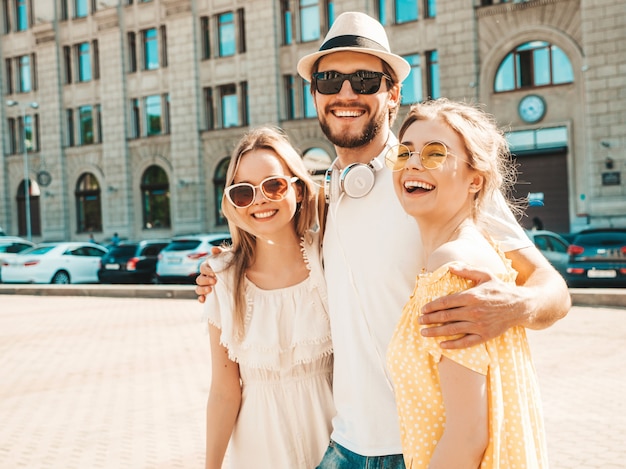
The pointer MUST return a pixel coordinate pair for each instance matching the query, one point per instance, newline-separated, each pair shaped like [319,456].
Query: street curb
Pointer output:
[610,297]
[179,292]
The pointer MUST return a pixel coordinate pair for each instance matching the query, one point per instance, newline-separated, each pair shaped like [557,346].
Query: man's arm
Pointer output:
[492,306]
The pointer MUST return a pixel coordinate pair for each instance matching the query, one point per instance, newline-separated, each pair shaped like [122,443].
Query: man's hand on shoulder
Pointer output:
[480,313]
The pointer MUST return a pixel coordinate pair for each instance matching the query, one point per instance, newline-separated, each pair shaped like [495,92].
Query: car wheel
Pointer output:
[154,279]
[61,277]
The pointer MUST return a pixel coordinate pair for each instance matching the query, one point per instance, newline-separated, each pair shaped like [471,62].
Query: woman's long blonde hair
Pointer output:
[243,242]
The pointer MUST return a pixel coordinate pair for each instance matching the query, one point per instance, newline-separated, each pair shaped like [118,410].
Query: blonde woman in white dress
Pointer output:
[270,403]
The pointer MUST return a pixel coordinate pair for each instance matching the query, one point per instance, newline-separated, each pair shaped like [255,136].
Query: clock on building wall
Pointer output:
[532,108]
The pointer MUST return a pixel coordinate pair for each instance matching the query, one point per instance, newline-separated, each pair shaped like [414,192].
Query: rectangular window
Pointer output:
[33,71]
[330,11]
[163,34]
[229,106]
[6,17]
[24,73]
[243,99]
[67,64]
[27,127]
[64,10]
[83,52]
[205,37]
[98,135]
[135,118]
[81,9]
[290,96]
[86,127]
[150,49]
[208,109]
[69,124]
[166,114]
[308,103]
[21,15]
[287,22]
[154,115]
[406,10]
[432,75]
[310,22]
[382,12]
[430,8]
[12,136]
[132,53]
[37,135]
[96,59]
[412,87]
[241,26]
[8,65]
[226,31]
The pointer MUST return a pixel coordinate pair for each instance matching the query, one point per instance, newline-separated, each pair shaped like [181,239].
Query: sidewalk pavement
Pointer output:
[96,382]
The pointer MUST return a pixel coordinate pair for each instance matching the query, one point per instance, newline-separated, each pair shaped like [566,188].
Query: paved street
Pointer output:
[121,383]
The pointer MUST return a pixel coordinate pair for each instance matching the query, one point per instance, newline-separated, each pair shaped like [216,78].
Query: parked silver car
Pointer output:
[179,261]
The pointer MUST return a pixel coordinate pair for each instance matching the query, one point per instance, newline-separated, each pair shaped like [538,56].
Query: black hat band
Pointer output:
[352,41]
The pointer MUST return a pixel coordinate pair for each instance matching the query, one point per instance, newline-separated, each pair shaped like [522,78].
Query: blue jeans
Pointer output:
[338,457]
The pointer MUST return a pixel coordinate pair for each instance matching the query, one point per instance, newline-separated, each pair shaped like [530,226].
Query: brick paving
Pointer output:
[122,383]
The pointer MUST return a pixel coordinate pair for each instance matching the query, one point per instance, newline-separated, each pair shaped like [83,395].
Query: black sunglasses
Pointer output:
[362,81]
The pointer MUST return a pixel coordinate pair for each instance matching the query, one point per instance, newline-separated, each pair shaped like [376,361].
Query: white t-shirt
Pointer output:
[372,254]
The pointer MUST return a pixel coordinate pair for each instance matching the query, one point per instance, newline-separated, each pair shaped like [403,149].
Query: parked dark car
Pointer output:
[131,262]
[598,258]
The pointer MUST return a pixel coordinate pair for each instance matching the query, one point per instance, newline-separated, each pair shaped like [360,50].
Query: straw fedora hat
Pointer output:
[356,32]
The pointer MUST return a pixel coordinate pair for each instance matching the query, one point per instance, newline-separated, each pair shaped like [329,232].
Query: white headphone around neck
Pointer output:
[355,180]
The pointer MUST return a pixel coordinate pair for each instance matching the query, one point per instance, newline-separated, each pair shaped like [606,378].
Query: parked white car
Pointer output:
[179,261]
[11,246]
[67,262]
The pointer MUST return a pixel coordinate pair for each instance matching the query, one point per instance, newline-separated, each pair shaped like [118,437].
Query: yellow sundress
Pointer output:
[516,431]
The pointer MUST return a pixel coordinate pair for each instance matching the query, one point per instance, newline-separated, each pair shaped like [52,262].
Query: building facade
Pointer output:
[120,115]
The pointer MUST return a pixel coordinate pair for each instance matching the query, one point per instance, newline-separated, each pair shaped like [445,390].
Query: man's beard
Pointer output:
[342,140]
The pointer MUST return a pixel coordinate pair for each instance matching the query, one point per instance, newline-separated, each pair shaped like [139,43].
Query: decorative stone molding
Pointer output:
[43,33]
[501,8]
[176,7]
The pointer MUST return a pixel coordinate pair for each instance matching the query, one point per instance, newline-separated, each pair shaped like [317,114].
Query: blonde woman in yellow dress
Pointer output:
[470,408]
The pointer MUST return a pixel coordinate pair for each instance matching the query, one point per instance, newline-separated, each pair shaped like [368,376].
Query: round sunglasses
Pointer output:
[432,155]
[361,81]
[273,188]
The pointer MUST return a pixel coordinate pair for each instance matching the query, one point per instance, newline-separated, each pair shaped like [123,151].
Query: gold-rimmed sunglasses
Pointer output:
[432,155]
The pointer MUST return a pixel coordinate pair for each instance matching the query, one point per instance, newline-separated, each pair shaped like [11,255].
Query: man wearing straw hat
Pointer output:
[372,249]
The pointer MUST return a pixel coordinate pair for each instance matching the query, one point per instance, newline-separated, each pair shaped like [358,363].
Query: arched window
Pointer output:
[155,198]
[317,161]
[35,215]
[531,65]
[88,204]
[219,181]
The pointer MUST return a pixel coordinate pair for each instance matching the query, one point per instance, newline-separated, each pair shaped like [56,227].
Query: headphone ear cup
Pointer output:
[357,180]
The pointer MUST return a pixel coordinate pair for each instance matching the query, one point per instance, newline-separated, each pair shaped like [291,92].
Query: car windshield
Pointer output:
[602,238]
[183,245]
[123,251]
[38,250]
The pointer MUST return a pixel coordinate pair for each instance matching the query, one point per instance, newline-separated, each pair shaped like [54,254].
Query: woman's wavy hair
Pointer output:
[485,143]
[243,242]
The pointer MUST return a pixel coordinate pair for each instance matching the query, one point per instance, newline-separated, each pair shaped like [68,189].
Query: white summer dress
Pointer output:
[285,364]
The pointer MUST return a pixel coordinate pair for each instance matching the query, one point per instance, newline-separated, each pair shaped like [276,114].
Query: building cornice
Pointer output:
[502,8]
